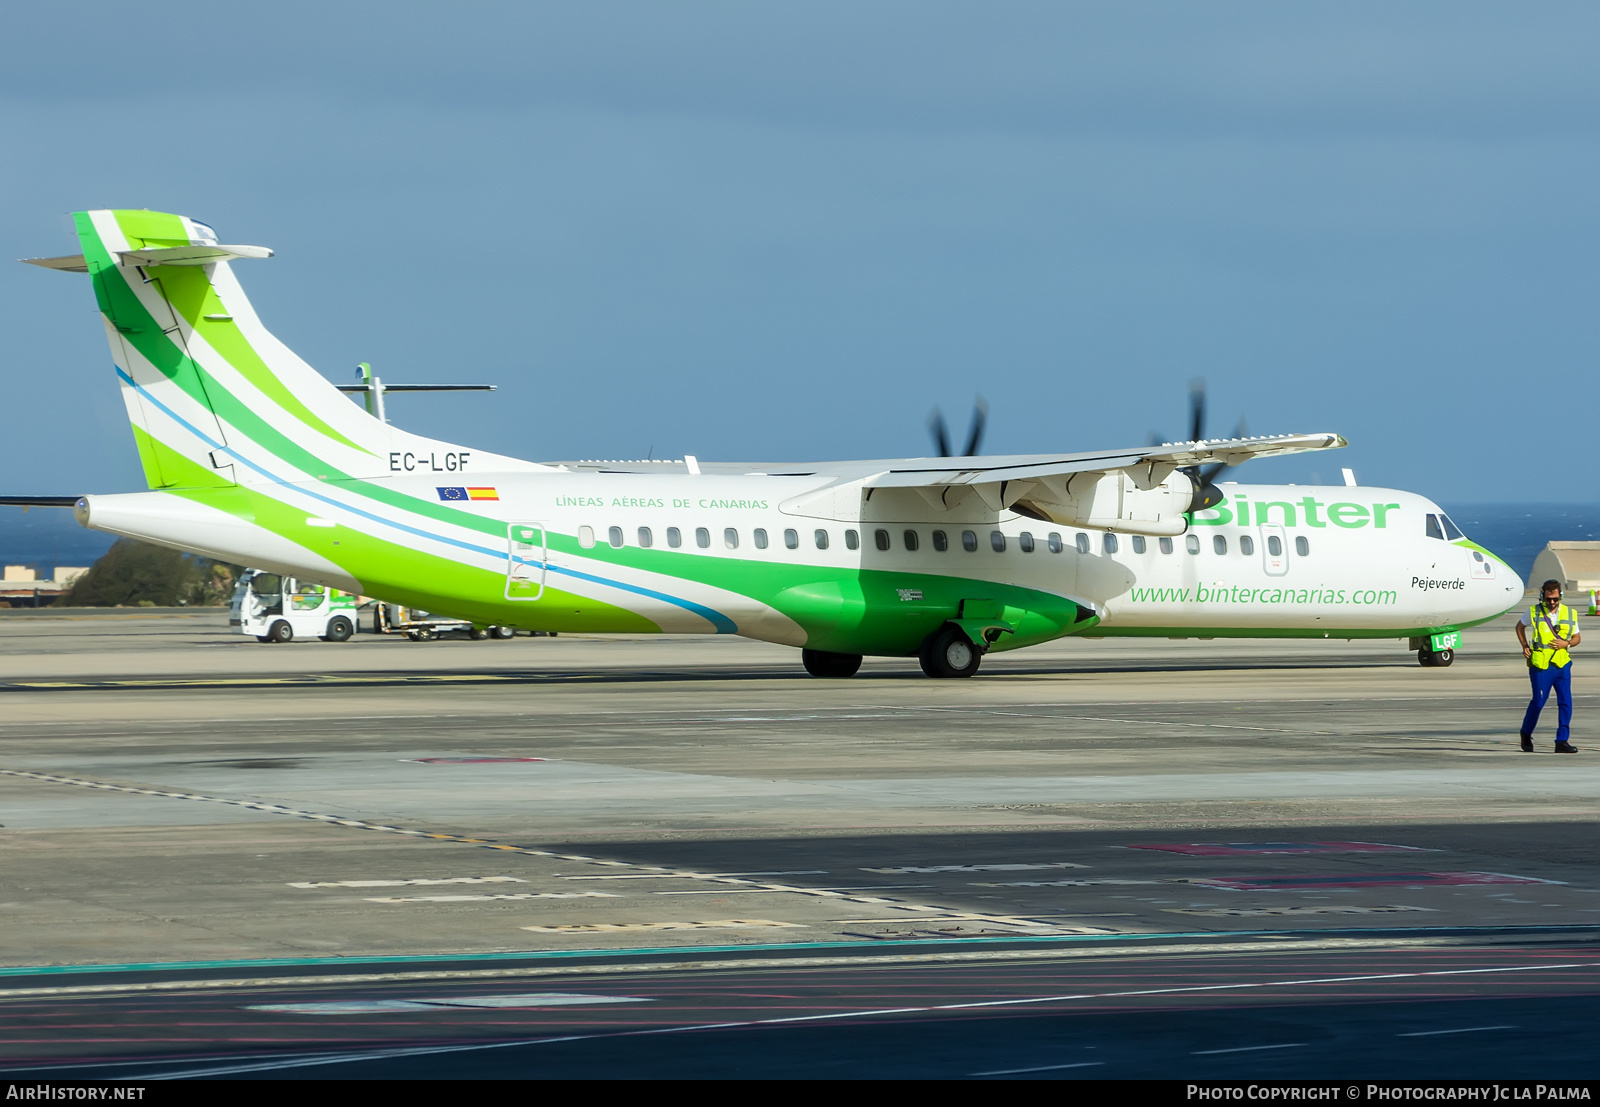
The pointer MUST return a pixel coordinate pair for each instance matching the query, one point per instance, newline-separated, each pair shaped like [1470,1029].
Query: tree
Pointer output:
[140,574]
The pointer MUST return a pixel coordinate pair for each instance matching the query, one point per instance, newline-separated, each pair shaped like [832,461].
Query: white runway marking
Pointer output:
[494,896]
[1040,1068]
[1244,1049]
[399,883]
[976,868]
[383,1006]
[613,928]
[1462,1030]
[1059,883]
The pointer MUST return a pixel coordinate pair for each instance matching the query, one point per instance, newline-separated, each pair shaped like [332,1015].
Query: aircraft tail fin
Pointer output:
[213,396]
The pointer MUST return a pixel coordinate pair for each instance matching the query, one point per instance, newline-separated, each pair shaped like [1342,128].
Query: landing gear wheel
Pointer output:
[280,631]
[339,629]
[949,653]
[1435,659]
[502,632]
[822,664]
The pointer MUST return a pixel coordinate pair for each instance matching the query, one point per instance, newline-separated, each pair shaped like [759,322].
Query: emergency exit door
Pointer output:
[1274,551]
[526,558]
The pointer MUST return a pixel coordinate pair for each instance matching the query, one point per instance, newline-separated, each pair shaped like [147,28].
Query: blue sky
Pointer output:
[785,231]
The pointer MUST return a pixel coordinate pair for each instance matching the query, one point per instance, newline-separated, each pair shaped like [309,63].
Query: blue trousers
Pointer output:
[1544,680]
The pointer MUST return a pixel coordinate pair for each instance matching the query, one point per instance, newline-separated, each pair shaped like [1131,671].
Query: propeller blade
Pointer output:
[1197,409]
[980,419]
[941,434]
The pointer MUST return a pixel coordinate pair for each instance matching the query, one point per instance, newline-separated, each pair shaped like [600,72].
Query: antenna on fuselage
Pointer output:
[374,388]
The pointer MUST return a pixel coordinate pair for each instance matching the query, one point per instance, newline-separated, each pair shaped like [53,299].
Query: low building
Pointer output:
[21,585]
[1575,564]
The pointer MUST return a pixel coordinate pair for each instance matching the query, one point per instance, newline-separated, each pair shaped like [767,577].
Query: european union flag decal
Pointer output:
[452,493]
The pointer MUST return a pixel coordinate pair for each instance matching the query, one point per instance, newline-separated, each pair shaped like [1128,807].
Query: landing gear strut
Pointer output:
[819,663]
[948,652]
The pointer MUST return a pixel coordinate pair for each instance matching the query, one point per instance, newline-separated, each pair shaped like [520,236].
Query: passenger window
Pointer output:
[1192,543]
[614,536]
[1451,531]
[1434,530]
[1025,542]
[1053,542]
[821,539]
[646,539]
[674,537]
[1165,544]
[880,538]
[1138,543]
[1302,547]
[1082,542]
[969,541]
[1219,543]
[1274,545]
[911,539]
[791,540]
[1247,545]
[760,537]
[997,541]
[702,538]
[586,537]
[730,538]
[941,542]
[852,540]
[1109,542]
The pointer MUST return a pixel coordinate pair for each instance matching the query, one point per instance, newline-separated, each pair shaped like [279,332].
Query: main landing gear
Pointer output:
[949,653]
[1434,659]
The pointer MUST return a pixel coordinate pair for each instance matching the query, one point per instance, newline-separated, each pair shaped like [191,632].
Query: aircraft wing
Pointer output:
[932,471]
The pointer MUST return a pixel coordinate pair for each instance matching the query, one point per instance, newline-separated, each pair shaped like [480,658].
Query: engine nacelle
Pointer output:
[1112,501]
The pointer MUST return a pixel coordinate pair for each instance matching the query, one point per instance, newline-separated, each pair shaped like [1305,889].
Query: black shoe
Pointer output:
[1566,747]
[1527,744]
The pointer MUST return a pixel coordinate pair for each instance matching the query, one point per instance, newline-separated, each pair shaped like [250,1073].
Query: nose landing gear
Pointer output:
[1430,658]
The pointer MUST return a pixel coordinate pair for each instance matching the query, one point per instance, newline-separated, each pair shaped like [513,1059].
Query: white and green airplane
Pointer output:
[253,457]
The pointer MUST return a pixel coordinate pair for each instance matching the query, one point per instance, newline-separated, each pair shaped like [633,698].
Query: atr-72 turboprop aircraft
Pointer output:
[253,457]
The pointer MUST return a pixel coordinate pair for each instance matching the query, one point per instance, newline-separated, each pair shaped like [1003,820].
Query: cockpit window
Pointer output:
[1434,530]
[1451,531]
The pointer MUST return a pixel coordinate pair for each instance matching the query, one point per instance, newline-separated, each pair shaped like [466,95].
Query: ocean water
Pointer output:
[45,537]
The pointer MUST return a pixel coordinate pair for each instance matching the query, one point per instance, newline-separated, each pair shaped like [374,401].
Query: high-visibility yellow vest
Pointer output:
[1544,628]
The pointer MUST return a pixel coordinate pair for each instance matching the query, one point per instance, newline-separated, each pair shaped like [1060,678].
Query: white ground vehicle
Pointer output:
[279,609]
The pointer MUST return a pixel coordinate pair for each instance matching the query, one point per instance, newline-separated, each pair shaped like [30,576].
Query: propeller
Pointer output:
[941,433]
[1204,477]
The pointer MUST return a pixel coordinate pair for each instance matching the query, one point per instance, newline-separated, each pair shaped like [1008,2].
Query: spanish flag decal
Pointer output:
[468,494]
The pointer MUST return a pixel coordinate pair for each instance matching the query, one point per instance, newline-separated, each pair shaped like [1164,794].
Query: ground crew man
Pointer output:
[1547,631]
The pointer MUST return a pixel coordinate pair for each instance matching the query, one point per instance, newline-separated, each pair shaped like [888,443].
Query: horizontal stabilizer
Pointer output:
[39,501]
[72,263]
[192,255]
